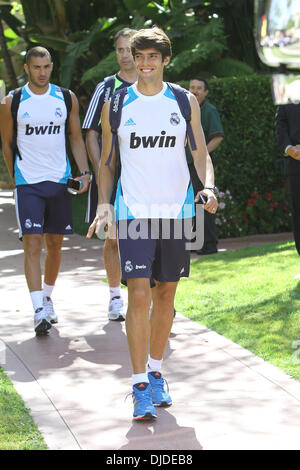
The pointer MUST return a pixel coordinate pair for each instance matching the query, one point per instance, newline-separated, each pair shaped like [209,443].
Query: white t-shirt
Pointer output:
[155,180]
[41,137]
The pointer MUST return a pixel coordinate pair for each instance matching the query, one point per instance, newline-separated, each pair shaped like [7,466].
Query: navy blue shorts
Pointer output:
[44,208]
[160,252]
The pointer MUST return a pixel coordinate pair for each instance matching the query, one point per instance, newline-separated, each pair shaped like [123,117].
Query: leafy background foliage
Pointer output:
[248,157]
[209,38]
[248,160]
[80,35]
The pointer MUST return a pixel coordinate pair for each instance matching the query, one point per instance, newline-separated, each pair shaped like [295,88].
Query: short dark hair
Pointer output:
[201,79]
[124,33]
[37,51]
[154,38]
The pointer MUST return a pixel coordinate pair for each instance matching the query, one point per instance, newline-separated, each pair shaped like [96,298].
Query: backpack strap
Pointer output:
[185,108]
[115,112]
[68,102]
[14,111]
[108,90]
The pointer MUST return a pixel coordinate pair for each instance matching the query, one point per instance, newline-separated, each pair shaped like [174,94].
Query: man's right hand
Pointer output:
[104,218]
[94,227]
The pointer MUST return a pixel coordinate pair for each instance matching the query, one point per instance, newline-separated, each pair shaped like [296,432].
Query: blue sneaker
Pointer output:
[142,402]
[160,397]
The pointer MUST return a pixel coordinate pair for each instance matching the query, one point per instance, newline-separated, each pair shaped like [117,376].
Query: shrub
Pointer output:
[263,213]
[229,67]
[246,159]
[268,212]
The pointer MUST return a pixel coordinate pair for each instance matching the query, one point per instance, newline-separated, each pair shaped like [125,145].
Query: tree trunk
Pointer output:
[7,59]
[61,17]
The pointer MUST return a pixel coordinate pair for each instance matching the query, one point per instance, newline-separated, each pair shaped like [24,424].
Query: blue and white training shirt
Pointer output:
[155,179]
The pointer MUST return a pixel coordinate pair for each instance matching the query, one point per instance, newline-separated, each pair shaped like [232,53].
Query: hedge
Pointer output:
[249,166]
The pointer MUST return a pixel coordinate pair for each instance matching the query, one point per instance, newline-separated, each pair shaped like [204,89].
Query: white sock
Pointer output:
[37,299]
[115,292]
[138,378]
[47,290]
[154,365]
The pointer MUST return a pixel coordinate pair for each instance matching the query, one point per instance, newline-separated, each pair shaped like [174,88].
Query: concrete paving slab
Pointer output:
[76,379]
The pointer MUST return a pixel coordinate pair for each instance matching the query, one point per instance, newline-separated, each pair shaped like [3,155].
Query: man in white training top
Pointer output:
[39,168]
[154,198]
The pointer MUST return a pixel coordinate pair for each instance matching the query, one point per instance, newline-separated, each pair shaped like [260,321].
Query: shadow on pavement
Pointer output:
[163,434]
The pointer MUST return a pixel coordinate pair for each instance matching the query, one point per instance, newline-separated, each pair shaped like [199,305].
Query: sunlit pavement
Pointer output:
[75,380]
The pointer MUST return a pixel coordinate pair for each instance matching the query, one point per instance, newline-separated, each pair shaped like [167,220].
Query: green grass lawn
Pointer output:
[17,429]
[251,297]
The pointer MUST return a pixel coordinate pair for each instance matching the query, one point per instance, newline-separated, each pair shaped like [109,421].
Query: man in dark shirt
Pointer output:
[287,129]
[92,123]
[214,134]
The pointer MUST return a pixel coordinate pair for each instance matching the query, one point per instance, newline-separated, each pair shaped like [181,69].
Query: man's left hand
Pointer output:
[211,200]
[85,181]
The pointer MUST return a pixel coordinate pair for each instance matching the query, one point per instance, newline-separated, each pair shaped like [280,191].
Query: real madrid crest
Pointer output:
[174,119]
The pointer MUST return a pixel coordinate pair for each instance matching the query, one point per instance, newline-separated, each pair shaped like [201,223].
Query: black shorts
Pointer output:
[155,249]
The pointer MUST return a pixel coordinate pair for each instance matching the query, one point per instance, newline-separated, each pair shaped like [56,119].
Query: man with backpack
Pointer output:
[34,122]
[92,123]
[154,200]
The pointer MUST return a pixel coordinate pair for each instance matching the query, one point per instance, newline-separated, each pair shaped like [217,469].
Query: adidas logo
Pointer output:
[26,115]
[68,227]
[130,122]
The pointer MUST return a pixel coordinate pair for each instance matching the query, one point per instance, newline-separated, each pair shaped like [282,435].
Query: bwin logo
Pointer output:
[42,129]
[152,141]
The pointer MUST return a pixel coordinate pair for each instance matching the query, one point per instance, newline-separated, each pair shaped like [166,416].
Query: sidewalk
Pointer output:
[75,380]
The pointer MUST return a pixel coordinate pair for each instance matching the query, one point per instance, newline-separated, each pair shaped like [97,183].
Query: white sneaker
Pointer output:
[116,310]
[48,307]
[41,322]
